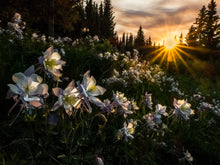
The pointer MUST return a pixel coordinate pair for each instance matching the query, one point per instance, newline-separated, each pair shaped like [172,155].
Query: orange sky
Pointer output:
[159,18]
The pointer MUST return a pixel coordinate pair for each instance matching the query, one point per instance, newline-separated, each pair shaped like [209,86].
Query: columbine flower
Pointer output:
[150,120]
[68,98]
[127,131]
[120,100]
[106,106]
[52,63]
[29,88]
[89,90]
[160,110]
[148,100]
[99,161]
[182,108]
[187,157]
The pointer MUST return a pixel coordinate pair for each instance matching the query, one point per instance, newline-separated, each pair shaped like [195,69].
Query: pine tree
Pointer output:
[181,38]
[200,27]
[123,39]
[140,41]
[191,37]
[212,25]
[101,20]
[149,40]
[130,41]
[108,22]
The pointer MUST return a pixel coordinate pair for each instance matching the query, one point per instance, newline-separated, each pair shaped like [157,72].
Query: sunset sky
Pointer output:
[159,18]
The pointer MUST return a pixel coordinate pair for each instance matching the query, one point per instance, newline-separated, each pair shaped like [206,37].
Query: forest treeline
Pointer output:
[78,18]
[73,18]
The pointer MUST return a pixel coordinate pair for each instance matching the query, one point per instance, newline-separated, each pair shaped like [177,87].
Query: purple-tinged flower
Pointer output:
[69,98]
[29,88]
[182,108]
[148,100]
[120,100]
[89,90]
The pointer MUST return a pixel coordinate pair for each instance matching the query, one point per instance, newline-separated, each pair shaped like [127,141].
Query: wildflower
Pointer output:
[148,100]
[105,105]
[182,108]
[29,88]
[17,25]
[68,98]
[150,120]
[120,100]
[89,90]
[187,157]
[205,105]
[161,110]
[127,131]
[96,38]
[99,161]
[52,63]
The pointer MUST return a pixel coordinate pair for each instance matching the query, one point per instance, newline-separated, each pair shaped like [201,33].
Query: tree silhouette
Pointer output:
[139,41]
[212,25]
[191,37]
[108,20]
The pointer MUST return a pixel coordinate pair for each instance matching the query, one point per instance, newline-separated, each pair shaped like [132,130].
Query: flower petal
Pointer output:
[14,88]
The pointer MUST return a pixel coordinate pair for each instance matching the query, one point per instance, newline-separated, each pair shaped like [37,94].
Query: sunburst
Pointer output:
[171,52]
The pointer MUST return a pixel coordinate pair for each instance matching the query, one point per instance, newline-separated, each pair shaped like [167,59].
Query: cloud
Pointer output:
[157,17]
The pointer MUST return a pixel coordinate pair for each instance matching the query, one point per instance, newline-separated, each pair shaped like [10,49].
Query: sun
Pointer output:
[171,53]
[170,43]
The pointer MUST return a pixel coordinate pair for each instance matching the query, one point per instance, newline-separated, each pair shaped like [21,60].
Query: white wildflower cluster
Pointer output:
[17,25]
[139,72]
[214,106]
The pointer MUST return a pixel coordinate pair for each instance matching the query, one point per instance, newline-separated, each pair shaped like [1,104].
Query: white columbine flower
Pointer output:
[127,131]
[89,90]
[148,100]
[28,86]
[68,98]
[182,108]
[120,100]
[52,63]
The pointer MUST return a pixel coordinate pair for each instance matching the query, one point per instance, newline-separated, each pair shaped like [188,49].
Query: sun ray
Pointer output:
[173,54]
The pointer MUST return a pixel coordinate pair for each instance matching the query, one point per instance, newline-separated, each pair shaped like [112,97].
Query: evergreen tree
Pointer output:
[89,15]
[108,22]
[181,38]
[123,39]
[127,40]
[130,41]
[200,27]
[139,41]
[101,20]
[149,41]
[191,37]
[212,25]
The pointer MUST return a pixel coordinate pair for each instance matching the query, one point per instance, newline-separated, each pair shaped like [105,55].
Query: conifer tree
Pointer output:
[108,22]
[140,41]
[212,25]
[191,37]
[181,38]
[200,27]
